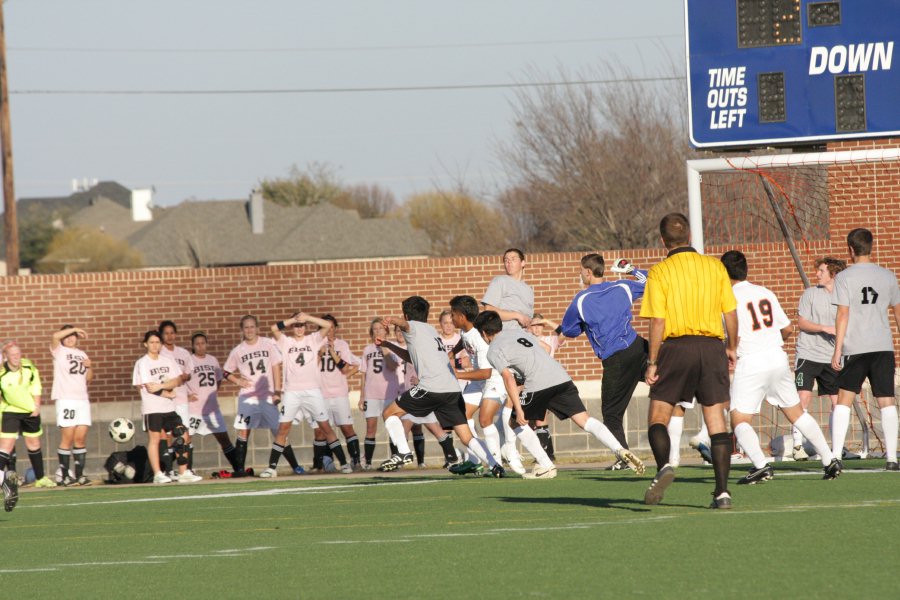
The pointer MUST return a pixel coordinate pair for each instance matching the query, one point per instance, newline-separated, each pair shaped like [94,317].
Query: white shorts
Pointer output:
[494,391]
[429,418]
[308,404]
[71,413]
[473,399]
[207,424]
[339,411]
[374,408]
[763,375]
[253,413]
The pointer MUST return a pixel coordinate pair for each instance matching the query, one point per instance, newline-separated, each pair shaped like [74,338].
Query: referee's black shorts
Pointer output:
[692,366]
[448,407]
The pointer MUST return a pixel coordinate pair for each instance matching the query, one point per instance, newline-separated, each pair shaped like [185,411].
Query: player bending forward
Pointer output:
[547,387]
[762,371]
[437,391]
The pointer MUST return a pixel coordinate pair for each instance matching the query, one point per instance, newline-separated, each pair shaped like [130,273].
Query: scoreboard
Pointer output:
[770,72]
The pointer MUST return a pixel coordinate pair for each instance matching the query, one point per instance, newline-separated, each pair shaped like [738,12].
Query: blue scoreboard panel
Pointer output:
[778,72]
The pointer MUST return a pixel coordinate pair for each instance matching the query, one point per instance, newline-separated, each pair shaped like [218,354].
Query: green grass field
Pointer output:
[584,534]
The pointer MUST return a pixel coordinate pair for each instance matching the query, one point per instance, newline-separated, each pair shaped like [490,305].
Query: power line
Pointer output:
[298,50]
[340,90]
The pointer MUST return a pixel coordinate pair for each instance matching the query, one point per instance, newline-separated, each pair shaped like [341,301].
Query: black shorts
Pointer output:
[162,422]
[14,423]
[809,372]
[562,400]
[877,367]
[692,366]
[448,407]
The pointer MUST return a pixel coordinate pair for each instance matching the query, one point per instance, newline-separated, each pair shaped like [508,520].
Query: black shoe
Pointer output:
[722,501]
[657,489]
[10,493]
[757,475]
[619,465]
[395,462]
[498,471]
[892,466]
[834,468]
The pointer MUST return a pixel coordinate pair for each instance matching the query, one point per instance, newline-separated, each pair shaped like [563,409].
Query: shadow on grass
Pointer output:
[629,504]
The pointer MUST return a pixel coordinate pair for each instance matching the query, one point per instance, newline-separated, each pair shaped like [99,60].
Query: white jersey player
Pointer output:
[72,371]
[203,391]
[168,330]
[763,372]
[255,367]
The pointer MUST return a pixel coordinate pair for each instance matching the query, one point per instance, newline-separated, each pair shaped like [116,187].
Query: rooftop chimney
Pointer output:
[256,212]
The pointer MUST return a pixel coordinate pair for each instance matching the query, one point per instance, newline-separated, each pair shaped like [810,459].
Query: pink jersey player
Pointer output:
[301,364]
[334,383]
[203,386]
[254,362]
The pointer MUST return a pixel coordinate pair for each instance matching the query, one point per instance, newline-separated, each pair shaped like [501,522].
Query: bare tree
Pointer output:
[317,183]
[457,224]
[595,166]
[369,200]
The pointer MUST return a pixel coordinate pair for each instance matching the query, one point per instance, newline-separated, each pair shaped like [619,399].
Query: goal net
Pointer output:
[783,207]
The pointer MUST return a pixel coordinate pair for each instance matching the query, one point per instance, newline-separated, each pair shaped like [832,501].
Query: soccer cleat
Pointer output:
[367,467]
[422,466]
[465,468]
[891,466]
[83,480]
[395,462]
[67,481]
[10,492]
[328,465]
[701,446]
[173,475]
[298,470]
[619,465]
[833,470]
[45,482]
[757,475]
[511,454]
[657,489]
[189,477]
[849,455]
[799,453]
[722,501]
[346,468]
[249,472]
[161,478]
[539,472]
[269,473]
[633,462]
[498,471]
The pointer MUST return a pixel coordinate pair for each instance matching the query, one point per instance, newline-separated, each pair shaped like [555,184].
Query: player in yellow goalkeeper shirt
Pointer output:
[20,412]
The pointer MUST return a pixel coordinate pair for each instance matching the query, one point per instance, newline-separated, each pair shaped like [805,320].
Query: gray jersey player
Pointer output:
[547,387]
[508,295]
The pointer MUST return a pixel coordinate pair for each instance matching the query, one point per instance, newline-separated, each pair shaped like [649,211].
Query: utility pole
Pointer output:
[10,222]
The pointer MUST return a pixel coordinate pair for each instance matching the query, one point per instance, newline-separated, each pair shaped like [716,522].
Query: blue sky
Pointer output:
[220,145]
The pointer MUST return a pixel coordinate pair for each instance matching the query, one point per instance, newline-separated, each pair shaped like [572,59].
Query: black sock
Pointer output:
[12,460]
[79,456]
[290,457]
[446,443]
[190,457]
[4,461]
[353,449]
[546,441]
[231,454]
[334,448]
[659,444]
[37,463]
[240,454]
[65,457]
[319,448]
[370,449]
[419,447]
[393,448]
[549,449]
[275,455]
[721,448]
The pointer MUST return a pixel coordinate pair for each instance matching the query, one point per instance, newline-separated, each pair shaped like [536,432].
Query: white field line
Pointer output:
[845,471]
[148,560]
[247,494]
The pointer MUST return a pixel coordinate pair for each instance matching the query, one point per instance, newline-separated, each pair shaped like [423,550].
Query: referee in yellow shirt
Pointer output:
[686,297]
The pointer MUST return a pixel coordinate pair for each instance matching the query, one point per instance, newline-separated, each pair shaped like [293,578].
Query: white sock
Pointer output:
[395,430]
[797,436]
[889,426]
[531,442]
[599,431]
[471,423]
[492,440]
[509,436]
[749,441]
[676,428]
[840,421]
[809,429]
[478,448]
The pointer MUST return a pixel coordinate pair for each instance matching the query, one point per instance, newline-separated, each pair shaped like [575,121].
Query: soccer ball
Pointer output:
[121,430]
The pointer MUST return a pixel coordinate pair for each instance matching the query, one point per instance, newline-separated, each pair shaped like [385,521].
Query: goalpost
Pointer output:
[790,200]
